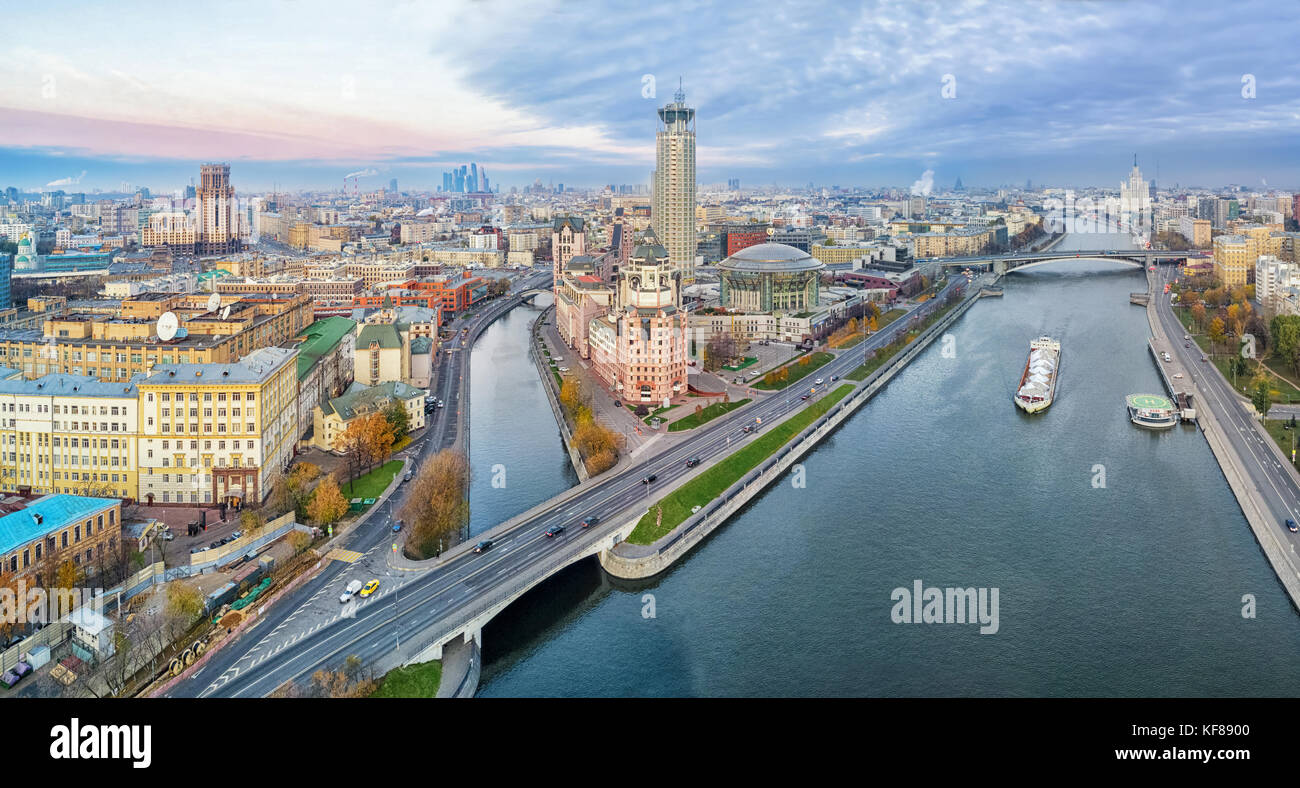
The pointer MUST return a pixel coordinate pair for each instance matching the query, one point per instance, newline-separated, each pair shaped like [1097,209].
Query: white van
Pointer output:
[350,592]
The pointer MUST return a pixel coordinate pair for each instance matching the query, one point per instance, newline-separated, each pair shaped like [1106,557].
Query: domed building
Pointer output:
[770,277]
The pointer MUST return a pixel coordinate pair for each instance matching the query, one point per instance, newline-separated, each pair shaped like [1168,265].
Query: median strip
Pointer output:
[677,505]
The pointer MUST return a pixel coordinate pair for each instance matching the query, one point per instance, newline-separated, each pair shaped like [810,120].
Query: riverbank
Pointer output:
[1262,524]
[630,561]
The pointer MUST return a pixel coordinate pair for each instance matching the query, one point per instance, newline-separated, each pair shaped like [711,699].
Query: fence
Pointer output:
[204,560]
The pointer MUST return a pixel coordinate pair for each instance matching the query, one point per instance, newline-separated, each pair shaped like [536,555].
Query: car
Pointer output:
[1291,526]
[555,530]
[618,403]
[1187,344]
[804,396]
[483,546]
[1204,357]
[818,382]
[564,370]
[590,521]
[167,536]
[214,545]
[649,479]
[409,475]
[1178,376]
[1187,336]
[692,462]
[349,592]
[834,378]
[747,428]
[397,526]
[370,588]
[236,535]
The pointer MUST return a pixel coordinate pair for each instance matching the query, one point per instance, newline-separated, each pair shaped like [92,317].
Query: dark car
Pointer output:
[618,403]
[555,530]
[692,462]
[590,521]
[747,428]
[649,479]
[1291,526]
[483,546]
[804,397]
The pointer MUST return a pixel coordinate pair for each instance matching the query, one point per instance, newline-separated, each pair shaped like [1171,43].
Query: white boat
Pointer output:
[1038,382]
[1151,411]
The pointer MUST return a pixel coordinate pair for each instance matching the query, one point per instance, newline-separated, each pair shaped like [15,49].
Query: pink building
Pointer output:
[581,296]
[639,348]
[568,239]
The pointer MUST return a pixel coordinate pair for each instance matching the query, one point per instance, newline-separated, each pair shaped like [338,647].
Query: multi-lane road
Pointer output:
[418,606]
[442,430]
[1275,482]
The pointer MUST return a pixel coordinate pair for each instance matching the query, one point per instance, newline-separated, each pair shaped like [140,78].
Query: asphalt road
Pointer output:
[1274,481]
[440,432]
[426,603]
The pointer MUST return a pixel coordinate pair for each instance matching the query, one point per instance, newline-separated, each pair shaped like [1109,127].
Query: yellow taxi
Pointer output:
[370,588]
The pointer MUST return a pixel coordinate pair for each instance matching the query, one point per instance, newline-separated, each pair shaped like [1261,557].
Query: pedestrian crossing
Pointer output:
[347,556]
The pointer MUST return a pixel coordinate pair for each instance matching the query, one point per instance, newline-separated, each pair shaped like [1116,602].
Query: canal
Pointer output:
[517,459]
[1120,556]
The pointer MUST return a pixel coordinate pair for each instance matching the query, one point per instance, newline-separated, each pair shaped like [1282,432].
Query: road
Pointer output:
[1275,482]
[441,431]
[424,604]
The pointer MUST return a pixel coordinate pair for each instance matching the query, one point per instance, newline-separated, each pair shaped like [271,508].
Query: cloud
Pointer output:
[795,89]
[66,181]
[366,173]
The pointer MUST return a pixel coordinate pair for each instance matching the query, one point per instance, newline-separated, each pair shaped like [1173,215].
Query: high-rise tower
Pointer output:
[218,212]
[672,212]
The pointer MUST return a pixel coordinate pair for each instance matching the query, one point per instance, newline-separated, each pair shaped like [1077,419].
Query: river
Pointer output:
[1120,556]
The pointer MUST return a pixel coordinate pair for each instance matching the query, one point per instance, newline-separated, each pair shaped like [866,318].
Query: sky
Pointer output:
[299,94]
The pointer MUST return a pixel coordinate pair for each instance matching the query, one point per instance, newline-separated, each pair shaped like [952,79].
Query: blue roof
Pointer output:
[56,511]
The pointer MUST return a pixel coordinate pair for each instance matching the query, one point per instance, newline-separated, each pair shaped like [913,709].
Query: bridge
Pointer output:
[531,295]
[434,604]
[1018,261]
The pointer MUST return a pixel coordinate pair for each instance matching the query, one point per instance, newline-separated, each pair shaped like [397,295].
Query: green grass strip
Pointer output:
[713,482]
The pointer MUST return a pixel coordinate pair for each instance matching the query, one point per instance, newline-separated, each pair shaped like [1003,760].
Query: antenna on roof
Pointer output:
[167,326]
[214,302]
[680,95]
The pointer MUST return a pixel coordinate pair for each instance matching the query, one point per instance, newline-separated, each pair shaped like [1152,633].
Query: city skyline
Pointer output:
[873,95]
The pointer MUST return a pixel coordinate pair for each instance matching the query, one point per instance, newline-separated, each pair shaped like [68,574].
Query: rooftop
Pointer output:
[47,514]
[256,367]
[361,400]
[322,336]
[771,258]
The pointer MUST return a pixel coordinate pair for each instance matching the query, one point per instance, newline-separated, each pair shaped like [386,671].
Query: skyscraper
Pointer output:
[217,211]
[672,211]
[1135,201]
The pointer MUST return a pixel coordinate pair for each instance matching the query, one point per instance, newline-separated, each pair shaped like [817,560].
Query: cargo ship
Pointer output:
[1151,411]
[1038,381]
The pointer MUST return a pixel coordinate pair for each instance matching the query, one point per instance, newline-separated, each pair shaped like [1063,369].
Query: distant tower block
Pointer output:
[672,212]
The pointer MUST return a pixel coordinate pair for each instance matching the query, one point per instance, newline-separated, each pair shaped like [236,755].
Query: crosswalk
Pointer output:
[347,556]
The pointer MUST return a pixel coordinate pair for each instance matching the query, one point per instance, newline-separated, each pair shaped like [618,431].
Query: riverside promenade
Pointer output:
[1246,454]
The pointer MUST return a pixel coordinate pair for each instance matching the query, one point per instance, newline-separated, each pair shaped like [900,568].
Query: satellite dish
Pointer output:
[214,302]
[167,326]
[225,313]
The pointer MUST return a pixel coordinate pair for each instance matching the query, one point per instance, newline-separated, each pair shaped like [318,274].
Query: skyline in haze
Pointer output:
[992,93]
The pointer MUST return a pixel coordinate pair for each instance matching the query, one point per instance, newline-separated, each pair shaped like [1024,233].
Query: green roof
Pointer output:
[370,399]
[321,336]
[383,333]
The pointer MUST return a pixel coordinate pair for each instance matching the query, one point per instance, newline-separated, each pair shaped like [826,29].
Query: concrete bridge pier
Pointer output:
[1000,267]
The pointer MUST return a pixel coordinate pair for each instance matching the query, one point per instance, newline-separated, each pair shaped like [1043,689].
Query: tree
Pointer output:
[1216,330]
[299,541]
[250,521]
[399,420]
[720,349]
[355,446]
[1261,397]
[379,438]
[184,604]
[1198,314]
[327,505]
[437,508]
